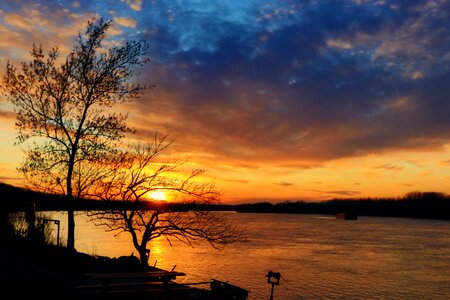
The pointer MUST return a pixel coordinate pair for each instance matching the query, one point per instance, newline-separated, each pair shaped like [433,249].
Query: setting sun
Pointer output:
[157,195]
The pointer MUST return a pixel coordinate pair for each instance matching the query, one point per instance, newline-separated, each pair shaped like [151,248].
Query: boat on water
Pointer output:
[346,216]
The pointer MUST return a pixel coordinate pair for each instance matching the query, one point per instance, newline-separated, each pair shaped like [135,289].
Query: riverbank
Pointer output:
[36,269]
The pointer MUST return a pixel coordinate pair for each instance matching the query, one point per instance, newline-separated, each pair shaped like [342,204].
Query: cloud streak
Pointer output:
[339,192]
[284,183]
[4,114]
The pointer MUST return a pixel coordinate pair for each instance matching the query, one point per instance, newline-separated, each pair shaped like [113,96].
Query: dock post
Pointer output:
[274,279]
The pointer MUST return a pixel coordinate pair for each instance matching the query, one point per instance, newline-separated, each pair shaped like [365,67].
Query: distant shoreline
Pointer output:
[421,205]
[424,206]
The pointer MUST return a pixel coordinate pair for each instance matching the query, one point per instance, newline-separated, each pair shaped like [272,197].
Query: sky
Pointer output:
[276,100]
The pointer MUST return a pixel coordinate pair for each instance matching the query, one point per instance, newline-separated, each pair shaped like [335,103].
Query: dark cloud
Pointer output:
[390,167]
[283,183]
[342,193]
[316,82]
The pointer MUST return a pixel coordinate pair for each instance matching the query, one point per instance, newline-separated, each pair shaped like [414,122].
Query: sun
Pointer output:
[157,195]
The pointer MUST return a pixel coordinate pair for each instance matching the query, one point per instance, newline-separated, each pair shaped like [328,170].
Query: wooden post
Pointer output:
[57,237]
[271,293]
[30,216]
[274,279]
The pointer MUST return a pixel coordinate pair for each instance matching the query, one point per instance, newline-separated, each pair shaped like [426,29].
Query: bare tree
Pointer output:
[136,174]
[65,116]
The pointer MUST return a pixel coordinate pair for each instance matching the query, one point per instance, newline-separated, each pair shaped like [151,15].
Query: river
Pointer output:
[319,257]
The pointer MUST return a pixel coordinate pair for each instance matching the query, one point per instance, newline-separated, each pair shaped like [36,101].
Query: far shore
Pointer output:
[424,205]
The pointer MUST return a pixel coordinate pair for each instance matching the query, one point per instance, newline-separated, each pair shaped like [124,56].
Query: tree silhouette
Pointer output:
[65,111]
[136,173]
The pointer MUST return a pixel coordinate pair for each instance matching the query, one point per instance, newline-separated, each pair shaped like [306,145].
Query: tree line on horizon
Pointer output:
[429,205]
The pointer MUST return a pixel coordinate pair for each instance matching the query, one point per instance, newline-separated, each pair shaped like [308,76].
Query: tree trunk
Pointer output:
[144,255]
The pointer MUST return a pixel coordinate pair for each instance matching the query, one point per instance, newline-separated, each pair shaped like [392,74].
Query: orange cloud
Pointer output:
[134,4]
[125,22]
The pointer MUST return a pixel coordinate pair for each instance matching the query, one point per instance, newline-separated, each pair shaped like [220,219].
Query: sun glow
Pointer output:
[157,195]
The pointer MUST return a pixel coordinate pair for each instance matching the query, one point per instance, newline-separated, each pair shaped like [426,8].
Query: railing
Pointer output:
[152,281]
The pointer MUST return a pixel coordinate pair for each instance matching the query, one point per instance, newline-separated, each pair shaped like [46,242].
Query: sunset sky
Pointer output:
[277,100]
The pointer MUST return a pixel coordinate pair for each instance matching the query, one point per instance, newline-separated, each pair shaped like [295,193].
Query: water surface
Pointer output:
[318,257]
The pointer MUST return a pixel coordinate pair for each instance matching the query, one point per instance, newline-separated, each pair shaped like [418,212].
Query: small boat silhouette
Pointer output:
[346,216]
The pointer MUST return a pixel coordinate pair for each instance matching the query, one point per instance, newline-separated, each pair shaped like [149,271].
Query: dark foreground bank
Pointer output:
[30,269]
